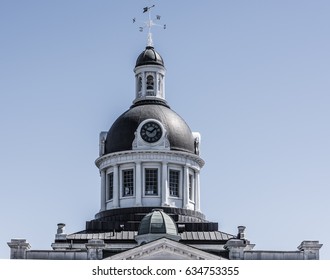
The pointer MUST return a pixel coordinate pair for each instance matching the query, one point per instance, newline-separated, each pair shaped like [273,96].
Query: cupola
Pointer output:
[155,225]
[149,75]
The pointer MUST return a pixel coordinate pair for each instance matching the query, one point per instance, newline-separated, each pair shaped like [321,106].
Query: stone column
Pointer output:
[163,86]
[144,82]
[198,192]
[103,190]
[138,184]
[18,248]
[156,84]
[115,202]
[164,180]
[186,187]
[193,184]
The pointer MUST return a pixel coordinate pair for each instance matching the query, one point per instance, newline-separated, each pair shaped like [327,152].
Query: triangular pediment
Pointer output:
[164,249]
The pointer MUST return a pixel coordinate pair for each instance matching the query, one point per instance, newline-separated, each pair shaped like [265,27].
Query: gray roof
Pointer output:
[123,235]
[129,235]
[206,235]
[157,222]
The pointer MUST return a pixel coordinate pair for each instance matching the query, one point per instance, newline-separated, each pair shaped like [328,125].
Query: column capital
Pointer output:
[18,243]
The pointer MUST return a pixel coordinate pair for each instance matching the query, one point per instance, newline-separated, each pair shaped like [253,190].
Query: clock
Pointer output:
[151,132]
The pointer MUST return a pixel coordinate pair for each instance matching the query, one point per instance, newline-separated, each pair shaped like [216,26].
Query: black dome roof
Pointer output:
[121,135]
[149,56]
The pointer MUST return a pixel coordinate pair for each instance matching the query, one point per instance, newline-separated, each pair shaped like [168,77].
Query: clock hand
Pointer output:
[153,133]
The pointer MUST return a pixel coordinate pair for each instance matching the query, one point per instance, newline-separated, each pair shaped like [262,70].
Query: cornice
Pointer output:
[163,247]
[146,155]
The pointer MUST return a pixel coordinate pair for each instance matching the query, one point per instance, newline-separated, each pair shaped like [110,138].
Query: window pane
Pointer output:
[128,182]
[174,182]
[151,181]
[191,187]
[110,186]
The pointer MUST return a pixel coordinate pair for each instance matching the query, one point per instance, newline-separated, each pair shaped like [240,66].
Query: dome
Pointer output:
[157,222]
[122,133]
[149,56]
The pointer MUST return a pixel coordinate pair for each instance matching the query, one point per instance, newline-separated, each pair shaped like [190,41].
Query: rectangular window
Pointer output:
[191,187]
[128,182]
[174,182]
[151,181]
[110,186]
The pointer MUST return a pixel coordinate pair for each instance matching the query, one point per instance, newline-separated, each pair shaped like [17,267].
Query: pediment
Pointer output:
[164,249]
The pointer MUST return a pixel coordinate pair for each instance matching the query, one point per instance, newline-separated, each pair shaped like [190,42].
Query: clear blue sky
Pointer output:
[251,76]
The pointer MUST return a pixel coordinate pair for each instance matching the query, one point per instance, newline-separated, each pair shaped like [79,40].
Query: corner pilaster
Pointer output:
[18,248]
[103,190]
[310,249]
[95,249]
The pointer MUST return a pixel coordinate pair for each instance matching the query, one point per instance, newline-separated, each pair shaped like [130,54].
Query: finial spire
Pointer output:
[149,24]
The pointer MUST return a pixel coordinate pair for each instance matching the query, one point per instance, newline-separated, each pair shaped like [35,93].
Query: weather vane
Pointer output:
[149,24]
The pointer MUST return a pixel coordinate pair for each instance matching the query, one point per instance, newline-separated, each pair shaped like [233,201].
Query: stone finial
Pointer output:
[241,232]
[60,238]
[237,246]
[60,228]
[102,138]
[60,234]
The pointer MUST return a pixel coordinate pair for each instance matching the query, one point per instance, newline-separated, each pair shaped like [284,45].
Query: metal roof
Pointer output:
[129,235]
[149,57]
[122,132]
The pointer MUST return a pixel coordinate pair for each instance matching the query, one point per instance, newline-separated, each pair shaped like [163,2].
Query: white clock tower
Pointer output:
[150,157]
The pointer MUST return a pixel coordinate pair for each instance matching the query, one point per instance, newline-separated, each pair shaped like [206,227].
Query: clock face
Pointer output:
[151,132]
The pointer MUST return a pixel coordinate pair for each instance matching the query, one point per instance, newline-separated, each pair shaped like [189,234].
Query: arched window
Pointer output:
[139,84]
[150,82]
